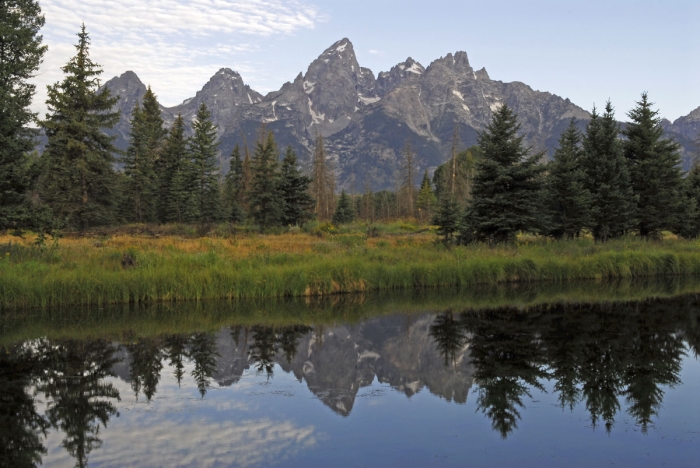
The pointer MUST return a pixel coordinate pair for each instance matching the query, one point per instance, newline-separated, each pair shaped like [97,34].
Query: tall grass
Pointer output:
[132,321]
[170,269]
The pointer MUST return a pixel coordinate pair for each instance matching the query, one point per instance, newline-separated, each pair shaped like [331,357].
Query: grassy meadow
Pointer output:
[174,264]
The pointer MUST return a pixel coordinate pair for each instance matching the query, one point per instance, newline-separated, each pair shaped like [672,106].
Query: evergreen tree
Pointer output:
[233,188]
[78,181]
[654,165]
[607,177]
[298,203]
[175,178]
[688,224]
[145,143]
[21,54]
[202,149]
[426,201]
[464,169]
[506,196]
[172,191]
[266,198]
[568,202]
[344,212]
[447,218]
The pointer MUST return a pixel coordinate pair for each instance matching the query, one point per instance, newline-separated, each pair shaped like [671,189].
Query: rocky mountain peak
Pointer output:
[388,81]
[332,84]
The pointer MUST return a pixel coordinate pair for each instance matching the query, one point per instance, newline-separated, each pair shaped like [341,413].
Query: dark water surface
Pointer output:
[549,384]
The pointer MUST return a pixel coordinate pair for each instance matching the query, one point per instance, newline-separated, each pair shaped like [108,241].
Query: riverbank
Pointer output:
[167,268]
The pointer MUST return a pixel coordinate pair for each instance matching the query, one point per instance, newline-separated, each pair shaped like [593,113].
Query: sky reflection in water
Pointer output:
[574,385]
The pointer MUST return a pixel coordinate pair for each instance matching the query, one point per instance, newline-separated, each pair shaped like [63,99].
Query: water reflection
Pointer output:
[606,358]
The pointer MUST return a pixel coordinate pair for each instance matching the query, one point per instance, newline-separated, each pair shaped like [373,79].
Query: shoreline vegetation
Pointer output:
[135,321]
[321,260]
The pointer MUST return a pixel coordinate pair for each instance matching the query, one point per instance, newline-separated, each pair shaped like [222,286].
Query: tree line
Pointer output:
[606,181]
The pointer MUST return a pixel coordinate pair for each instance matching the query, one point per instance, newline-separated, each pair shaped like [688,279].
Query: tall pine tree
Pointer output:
[298,203]
[21,54]
[654,164]
[607,177]
[171,167]
[266,199]
[78,180]
[203,151]
[688,224]
[426,201]
[344,211]
[142,155]
[507,192]
[568,203]
[234,189]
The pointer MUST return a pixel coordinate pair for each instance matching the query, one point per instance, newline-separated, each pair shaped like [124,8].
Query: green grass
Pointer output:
[83,272]
[132,321]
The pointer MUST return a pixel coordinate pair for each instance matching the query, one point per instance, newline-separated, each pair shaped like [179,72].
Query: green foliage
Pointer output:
[21,53]
[688,224]
[204,168]
[654,164]
[568,203]
[507,194]
[448,219]
[78,183]
[266,197]
[607,177]
[344,212]
[465,170]
[172,169]
[145,143]
[298,203]
[426,201]
[234,189]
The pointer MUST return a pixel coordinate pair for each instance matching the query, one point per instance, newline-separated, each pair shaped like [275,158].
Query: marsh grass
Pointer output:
[171,268]
[128,322]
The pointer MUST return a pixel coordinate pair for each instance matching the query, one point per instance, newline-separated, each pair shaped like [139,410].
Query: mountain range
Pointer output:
[366,120]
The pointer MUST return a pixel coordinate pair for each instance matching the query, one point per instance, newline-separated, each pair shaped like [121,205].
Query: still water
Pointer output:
[549,384]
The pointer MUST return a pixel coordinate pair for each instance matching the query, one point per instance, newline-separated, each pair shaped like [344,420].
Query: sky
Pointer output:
[587,51]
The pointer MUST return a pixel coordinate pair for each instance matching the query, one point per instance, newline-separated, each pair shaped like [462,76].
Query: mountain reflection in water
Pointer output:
[609,358]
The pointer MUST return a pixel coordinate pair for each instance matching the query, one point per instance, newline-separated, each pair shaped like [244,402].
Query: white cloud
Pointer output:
[174,45]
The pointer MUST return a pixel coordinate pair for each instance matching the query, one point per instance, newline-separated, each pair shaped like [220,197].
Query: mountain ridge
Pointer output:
[366,120]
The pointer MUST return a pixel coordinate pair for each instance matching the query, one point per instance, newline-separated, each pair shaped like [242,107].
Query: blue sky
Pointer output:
[588,51]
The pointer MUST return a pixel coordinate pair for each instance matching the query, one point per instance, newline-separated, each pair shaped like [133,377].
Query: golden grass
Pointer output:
[87,270]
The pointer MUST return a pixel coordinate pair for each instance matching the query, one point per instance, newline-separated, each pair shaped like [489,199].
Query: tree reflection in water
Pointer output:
[595,354]
[599,357]
[78,398]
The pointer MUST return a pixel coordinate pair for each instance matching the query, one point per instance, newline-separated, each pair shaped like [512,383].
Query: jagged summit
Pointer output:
[367,119]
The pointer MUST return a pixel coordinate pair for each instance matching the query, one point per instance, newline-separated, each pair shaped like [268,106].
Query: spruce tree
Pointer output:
[266,199]
[141,158]
[344,212]
[203,151]
[233,189]
[78,180]
[607,177]
[298,203]
[654,164]
[568,203]
[426,201]
[448,218]
[21,54]
[172,191]
[507,192]
[687,225]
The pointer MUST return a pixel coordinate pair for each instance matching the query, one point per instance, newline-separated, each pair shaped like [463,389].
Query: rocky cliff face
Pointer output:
[367,121]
